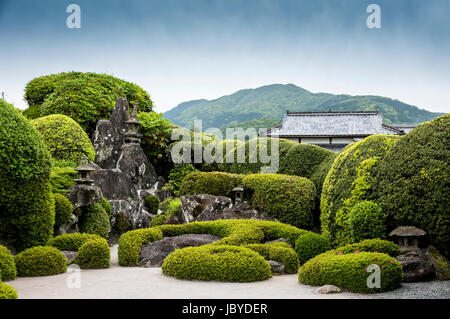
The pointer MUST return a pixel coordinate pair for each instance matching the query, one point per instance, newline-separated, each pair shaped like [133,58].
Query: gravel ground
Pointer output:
[141,283]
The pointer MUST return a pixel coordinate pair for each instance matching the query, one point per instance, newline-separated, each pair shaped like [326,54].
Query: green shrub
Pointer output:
[65,139]
[221,263]
[279,252]
[349,271]
[152,204]
[349,181]
[369,245]
[106,206]
[40,261]
[63,210]
[310,245]
[412,182]
[178,173]
[94,220]
[7,292]
[94,254]
[26,202]
[213,183]
[289,199]
[170,207]
[71,242]
[62,178]
[7,265]
[367,221]
[130,244]
[122,223]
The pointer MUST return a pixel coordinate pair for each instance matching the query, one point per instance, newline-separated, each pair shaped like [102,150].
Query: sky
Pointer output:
[193,49]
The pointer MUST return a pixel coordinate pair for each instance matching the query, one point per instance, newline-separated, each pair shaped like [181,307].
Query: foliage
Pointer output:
[289,199]
[26,200]
[63,210]
[412,183]
[152,203]
[310,245]
[65,139]
[72,242]
[351,180]
[350,271]
[106,206]
[94,220]
[221,263]
[367,221]
[178,173]
[40,261]
[85,97]
[130,244]
[7,292]
[7,265]
[213,183]
[122,223]
[170,207]
[62,178]
[278,252]
[94,254]
[369,245]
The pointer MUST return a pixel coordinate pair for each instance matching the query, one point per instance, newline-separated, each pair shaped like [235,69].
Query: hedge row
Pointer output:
[213,183]
[278,251]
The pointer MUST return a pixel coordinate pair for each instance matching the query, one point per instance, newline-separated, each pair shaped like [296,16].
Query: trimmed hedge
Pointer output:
[63,210]
[94,254]
[367,221]
[349,271]
[412,183]
[72,242]
[40,261]
[152,204]
[349,181]
[62,178]
[27,210]
[289,199]
[65,139]
[7,266]
[94,220]
[369,245]
[178,173]
[217,262]
[213,183]
[310,245]
[130,244]
[279,252]
[7,292]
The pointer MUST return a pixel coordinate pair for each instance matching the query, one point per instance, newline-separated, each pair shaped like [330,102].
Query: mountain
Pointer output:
[266,105]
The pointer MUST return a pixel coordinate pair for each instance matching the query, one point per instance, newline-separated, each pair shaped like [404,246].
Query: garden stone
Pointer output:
[154,254]
[193,206]
[135,164]
[276,267]
[328,289]
[416,266]
[70,227]
[70,255]
[440,263]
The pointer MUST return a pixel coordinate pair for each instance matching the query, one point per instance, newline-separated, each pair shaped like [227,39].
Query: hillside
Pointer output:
[267,104]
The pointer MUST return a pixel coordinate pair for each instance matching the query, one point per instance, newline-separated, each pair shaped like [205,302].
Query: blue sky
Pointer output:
[191,49]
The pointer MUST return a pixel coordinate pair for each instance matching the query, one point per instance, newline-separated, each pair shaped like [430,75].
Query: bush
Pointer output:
[72,242]
[106,206]
[7,292]
[349,271]
[170,207]
[94,254]
[152,204]
[367,221]
[349,181]
[65,139]
[221,263]
[62,178]
[7,265]
[213,183]
[85,97]
[94,220]
[63,210]
[279,252]
[412,182]
[369,245]
[130,244]
[40,261]
[26,202]
[310,245]
[178,173]
[289,199]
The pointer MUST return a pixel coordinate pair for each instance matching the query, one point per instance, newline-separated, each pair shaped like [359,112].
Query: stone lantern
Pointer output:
[85,171]
[408,237]
[238,194]
[132,136]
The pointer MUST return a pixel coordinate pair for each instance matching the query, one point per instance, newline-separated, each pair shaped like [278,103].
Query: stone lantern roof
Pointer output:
[407,231]
[84,169]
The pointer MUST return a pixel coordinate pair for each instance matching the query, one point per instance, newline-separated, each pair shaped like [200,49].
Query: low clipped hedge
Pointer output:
[310,245]
[217,262]
[94,254]
[7,266]
[369,245]
[278,252]
[349,271]
[289,199]
[71,242]
[40,261]
[7,292]
[213,183]
[63,210]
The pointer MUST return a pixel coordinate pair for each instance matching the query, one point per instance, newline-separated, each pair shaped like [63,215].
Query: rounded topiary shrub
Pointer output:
[65,139]
[412,183]
[85,97]
[94,254]
[349,181]
[310,245]
[106,206]
[221,263]
[63,210]
[152,204]
[7,292]
[40,261]
[94,220]
[289,199]
[278,251]
[367,220]
[7,265]
[62,178]
[27,210]
[351,271]
[71,242]
[212,183]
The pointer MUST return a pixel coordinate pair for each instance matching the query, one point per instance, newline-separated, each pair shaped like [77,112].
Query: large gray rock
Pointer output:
[276,267]
[135,164]
[154,254]
[416,266]
[70,255]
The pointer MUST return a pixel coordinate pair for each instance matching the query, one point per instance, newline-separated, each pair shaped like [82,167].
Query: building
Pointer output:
[333,129]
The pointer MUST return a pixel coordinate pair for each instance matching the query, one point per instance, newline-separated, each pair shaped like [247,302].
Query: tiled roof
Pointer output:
[340,123]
